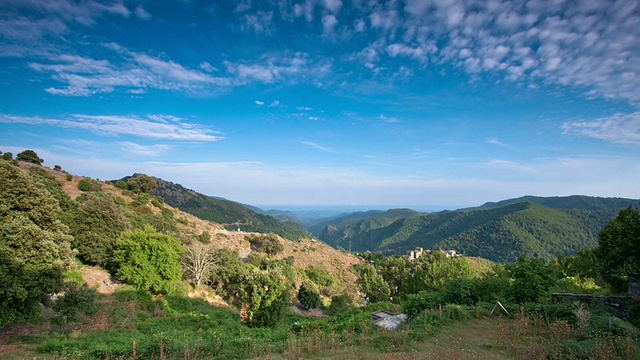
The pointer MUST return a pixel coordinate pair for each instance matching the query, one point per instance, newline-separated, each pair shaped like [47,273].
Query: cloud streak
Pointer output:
[619,128]
[152,127]
[319,147]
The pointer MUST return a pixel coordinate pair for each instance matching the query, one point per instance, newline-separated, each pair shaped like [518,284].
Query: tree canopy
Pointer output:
[34,245]
[149,260]
[618,250]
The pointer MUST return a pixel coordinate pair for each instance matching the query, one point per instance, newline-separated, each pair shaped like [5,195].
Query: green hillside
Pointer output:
[500,234]
[229,214]
[339,230]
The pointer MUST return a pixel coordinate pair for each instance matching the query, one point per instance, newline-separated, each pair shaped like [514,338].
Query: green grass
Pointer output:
[143,327]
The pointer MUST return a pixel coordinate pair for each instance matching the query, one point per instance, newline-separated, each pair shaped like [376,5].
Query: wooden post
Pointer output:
[440,309]
[133,356]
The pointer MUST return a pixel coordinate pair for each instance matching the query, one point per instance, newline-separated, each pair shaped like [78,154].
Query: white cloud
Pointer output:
[207,67]
[319,147]
[329,22]
[619,128]
[275,103]
[142,13]
[332,5]
[152,127]
[258,102]
[260,22]
[284,68]
[33,19]
[144,150]
[85,76]
[304,108]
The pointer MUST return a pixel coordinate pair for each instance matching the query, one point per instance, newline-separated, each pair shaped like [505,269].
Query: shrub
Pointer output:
[320,276]
[268,244]
[77,299]
[86,184]
[309,296]
[57,168]
[29,156]
[121,184]
[340,304]
[149,260]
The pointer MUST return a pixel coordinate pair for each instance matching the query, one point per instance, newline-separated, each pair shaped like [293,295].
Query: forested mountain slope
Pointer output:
[230,214]
[339,230]
[500,234]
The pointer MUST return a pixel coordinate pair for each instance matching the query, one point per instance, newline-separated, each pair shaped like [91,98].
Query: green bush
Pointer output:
[340,304]
[320,275]
[309,296]
[149,260]
[29,156]
[77,299]
[86,184]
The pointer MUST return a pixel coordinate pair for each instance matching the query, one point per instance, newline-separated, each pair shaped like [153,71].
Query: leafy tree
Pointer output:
[461,291]
[395,270]
[308,295]
[618,250]
[198,261]
[99,221]
[7,156]
[34,245]
[433,271]
[372,285]
[149,260]
[228,273]
[142,183]
[531,279]
[29,156]
[57,168]
[265,297]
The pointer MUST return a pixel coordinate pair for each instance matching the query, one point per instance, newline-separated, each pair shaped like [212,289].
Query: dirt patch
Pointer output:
[100,279]
[300,310]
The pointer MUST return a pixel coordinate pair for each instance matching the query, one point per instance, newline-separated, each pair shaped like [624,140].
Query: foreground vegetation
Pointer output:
[45,236]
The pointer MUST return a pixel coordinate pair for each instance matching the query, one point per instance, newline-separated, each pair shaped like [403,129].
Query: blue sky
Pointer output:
[426,104]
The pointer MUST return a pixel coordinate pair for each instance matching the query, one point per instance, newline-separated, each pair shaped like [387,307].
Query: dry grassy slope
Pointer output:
[307,253]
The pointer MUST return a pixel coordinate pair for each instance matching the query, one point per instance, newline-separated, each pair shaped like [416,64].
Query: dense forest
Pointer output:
[499,233]
[182,289]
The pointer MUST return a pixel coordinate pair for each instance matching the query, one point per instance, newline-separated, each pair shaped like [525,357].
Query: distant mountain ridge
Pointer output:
[495,231]
[581,202]
[230,214]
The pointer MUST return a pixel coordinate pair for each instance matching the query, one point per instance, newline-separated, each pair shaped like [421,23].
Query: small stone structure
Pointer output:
[388,320]
[413,255]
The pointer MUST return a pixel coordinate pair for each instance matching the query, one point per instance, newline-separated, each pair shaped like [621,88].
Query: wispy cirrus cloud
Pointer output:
[319,147]
[85,76]
[279,68]
[619,128]
[152,126]
[144,150]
